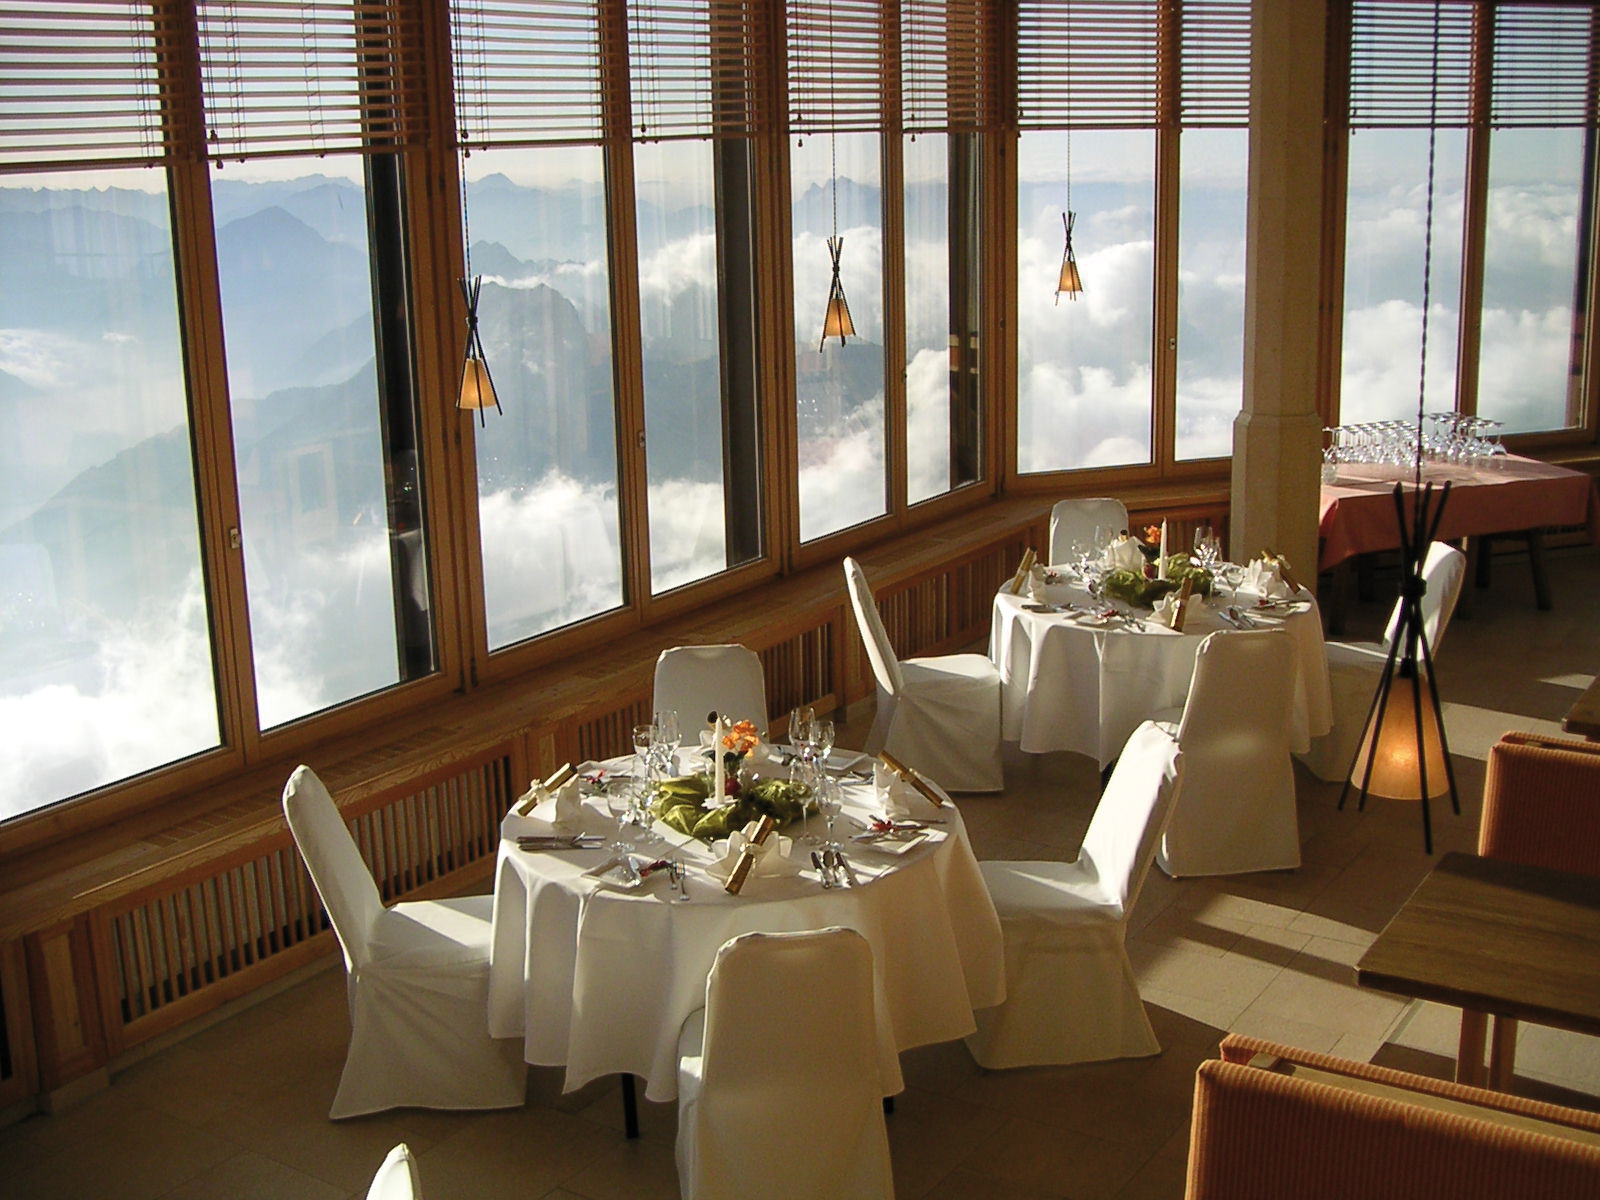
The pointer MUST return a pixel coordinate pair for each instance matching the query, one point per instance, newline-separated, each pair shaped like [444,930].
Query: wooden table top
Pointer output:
[1497,937]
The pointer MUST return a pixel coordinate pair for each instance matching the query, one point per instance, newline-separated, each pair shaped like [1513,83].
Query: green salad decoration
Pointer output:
[680,804]
[1133,588]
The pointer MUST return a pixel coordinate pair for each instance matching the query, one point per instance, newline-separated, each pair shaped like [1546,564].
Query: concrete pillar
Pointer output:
[1277,437]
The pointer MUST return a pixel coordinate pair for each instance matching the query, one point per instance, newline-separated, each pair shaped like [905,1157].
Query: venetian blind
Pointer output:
[946,64]
[1102,64]
[697,68]
[1392,53]
[1546,66]
[80,84]
[527,73]
[837,79]
[308,76]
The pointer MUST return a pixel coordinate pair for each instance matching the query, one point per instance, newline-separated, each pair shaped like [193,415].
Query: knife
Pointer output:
[849,871]
[822,871]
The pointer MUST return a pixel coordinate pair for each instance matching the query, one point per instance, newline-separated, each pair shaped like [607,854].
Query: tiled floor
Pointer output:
[239,1110]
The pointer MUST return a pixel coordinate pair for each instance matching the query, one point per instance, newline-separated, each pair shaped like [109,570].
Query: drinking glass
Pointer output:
[1207,546]
[821,739]
[800,719]
[830,802]
[644,762]
[808,774]
[667,741]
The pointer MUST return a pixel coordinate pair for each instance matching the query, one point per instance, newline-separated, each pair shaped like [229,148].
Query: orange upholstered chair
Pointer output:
[1541,807]
[1272,1122]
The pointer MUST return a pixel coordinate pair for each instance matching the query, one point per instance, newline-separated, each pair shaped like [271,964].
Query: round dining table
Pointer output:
[598,977]
[1071,679]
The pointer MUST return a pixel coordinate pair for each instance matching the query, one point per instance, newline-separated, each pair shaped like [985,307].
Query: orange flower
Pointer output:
[1152,535]
[742,738]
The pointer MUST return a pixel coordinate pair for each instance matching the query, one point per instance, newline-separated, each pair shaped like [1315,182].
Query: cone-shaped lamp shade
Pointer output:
[1070,282]
[836,321]
[1401,747]
[477,389]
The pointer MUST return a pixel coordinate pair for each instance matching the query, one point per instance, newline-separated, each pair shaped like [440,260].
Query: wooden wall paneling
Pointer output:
[19,1073]
[69,1037]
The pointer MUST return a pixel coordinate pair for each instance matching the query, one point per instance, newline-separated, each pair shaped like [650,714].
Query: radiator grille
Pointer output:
[800,670]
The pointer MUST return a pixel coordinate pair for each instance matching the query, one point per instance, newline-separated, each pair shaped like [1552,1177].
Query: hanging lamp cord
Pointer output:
[1427,241]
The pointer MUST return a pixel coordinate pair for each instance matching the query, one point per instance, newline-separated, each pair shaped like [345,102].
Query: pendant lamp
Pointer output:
[1405,754]
[836,320]
[1069,282]
[477,390]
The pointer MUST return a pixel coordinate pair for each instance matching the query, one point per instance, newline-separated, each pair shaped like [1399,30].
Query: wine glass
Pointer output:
[644,737]
[620,803]
[1207,546]
[799,735]
[667,740]
[830,802]
[809,775]
[821,740]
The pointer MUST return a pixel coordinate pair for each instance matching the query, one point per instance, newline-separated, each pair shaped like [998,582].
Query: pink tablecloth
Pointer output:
[1358,511]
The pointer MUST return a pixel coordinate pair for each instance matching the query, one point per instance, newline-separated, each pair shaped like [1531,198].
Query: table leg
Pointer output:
[1469,1050]
[630,1108]
[1541,582]
[1503,1054]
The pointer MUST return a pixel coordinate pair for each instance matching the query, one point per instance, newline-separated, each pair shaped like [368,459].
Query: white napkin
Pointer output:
[900,800]
[1166,608]
[1124,555]
[562,810]
[1036,583]
[772,855]
[1263,578]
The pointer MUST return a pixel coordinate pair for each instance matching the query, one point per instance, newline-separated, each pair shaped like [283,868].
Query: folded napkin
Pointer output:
[1124,555]
[772,855]
[1169,606]
[1265,579]
[1037,578]
[901,801]
[560,809]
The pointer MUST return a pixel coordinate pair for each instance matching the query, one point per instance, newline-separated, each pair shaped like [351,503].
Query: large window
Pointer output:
[1154,341]
[1514,168]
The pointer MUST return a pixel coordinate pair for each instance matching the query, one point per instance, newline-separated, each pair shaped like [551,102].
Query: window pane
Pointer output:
[1384,232]
[331,564]
[928,317]
[1211,220]
[547,466]
[1530,359]
[105,654]
[839,389]
[677,221]
[1083,366]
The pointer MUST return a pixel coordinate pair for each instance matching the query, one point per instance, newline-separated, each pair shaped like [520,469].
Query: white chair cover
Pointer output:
[695,680]
[779,1092]
[1354,667]
[1070,991]
[418,982]
[397,1177]
[940,715]
[1071,520]
[1238,809]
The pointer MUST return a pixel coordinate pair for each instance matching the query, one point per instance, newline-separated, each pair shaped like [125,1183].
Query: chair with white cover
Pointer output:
[1076,520]
[418,979]
[1354,667]
[1070,991]
[779,1091]
[397,1177]
[938,715]
[1238,809]
[695,680]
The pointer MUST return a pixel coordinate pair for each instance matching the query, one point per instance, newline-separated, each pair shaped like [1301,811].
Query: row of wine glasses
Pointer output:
[810,736]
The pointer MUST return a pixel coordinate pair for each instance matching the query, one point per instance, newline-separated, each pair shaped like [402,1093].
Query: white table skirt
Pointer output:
[1066,686]
[599,980]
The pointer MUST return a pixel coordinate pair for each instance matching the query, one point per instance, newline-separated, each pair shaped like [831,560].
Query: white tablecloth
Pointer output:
[600,980]
[1066,686]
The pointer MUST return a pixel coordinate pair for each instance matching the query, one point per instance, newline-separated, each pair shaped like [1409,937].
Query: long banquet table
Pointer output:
[599,980]
[1066,685]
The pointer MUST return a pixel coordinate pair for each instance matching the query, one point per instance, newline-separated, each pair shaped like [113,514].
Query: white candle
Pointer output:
[1161,559]
[719,770]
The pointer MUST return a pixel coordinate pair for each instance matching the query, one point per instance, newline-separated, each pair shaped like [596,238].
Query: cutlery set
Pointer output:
[576,841]
[834,868]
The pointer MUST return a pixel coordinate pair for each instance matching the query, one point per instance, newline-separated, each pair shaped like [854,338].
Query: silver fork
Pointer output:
[678,874]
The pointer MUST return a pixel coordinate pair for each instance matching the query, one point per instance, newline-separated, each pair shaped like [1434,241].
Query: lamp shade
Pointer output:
[1403,744]
[1070,282]
[836,321]
[477,389]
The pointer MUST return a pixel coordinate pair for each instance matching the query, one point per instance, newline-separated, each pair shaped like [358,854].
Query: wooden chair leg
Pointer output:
[630,1108]
[1469,1050]
[1503,1054]
[1541,582]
